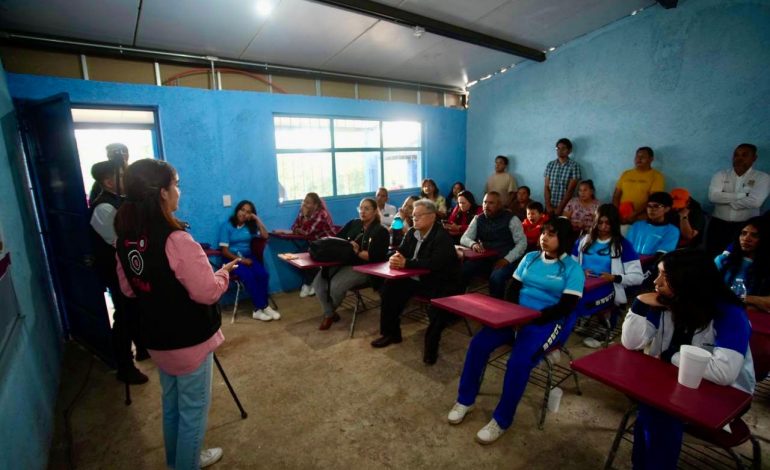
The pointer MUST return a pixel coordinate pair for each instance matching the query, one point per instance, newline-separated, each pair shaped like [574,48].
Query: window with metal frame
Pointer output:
[344,156]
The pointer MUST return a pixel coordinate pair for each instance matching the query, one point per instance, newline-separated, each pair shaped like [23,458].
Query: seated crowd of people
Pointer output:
[647,244]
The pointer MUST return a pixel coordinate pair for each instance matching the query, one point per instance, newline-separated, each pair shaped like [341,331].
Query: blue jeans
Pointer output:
[186,400]
[529,347]
[255,279]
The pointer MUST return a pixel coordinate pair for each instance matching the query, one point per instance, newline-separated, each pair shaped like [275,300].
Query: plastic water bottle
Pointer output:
[739,288]
[397,224]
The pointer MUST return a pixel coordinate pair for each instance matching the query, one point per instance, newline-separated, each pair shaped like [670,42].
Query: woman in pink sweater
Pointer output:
[167,271]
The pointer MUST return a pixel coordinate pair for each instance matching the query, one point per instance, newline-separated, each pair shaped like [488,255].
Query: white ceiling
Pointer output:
[306,34]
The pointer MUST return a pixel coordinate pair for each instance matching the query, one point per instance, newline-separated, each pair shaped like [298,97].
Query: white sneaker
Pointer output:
[273,314]
[489,433]
[305,291]
[458,412]
[310,291]
[210,456]
[592,343]
[260,314]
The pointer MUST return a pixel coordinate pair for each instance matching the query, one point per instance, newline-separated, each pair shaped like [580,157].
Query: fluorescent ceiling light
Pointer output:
[264,7]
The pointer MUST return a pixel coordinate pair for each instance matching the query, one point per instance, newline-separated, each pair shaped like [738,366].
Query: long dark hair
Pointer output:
[373,203]
[251,225]
[563,229]
[143,209]
[697,288]
[436,192]
[451,194]
[615,246]
[472,200]
[758,273]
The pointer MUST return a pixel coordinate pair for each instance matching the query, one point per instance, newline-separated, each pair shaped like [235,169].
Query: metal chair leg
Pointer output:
[572,372]
[359,302]
[618,436]
[468,327]
[548,382]
[756,453]
[272,301]
[235,306]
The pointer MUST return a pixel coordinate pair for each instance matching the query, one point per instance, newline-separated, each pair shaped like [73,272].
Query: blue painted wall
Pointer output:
[690,82]
[30,359]
[222,142]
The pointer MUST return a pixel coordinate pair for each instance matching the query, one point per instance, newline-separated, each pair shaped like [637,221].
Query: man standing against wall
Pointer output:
[501,181]
[561,178]
[738,194]
[635,185]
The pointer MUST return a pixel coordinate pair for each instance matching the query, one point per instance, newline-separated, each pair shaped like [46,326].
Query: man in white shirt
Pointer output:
[387,211]
[738,194]
[501,181]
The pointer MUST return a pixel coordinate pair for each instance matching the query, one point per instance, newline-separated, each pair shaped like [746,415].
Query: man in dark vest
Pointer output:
[426,245]
[499,230]
[109,175]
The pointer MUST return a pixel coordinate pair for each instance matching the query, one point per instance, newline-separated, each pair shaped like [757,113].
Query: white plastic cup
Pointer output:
[692,365]
[554,399]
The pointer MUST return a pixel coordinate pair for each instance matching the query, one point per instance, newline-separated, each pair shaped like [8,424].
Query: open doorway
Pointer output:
[96,128]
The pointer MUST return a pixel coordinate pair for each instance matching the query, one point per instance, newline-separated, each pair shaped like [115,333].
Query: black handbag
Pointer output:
[332,249]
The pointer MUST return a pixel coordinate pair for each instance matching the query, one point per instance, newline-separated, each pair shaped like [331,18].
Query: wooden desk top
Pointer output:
[304,261]
[654,382]
[469,254]
[288,236]
[384,271]
[489,311]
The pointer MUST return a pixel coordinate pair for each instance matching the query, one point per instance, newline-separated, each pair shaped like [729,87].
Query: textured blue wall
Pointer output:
[30,360]
[690,82]
[222,142]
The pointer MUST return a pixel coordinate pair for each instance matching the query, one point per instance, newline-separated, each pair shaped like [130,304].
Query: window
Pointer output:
[337,157]
[95,128]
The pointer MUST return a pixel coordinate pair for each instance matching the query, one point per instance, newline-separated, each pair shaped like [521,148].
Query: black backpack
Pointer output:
[330,249]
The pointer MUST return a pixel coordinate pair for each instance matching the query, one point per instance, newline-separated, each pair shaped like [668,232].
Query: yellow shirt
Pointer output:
[638,185]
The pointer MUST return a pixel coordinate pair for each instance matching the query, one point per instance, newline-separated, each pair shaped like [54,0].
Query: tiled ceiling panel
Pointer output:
[382,48]
[217,27]
[309,34]
[109,21]
[321,31]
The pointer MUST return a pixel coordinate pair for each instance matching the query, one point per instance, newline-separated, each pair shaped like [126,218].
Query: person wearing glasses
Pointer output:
[428,246]
[656,234]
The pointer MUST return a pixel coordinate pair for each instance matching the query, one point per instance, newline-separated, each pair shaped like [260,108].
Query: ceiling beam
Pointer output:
[405,18]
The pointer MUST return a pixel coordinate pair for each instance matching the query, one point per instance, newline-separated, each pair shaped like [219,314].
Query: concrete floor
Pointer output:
[320,400]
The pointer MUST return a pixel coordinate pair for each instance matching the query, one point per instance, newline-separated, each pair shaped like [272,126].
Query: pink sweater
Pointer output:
[192,269]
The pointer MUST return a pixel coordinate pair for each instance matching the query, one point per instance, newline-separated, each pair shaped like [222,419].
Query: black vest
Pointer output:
[494,233]
[104,253]
[168,318]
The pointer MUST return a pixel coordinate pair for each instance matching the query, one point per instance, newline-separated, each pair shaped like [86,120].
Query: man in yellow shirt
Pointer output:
[634,186]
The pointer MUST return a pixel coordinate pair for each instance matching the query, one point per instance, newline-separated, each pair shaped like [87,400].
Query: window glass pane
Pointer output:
[403,169]
[357,172]
[302,133]
[92,145]
[401,134]
[112,116]
[302,173]
[356,134]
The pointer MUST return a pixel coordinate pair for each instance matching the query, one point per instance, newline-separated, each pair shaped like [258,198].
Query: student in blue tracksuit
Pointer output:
[656,234]
[604,253]
[235,237]
[549,281]
[690,305]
